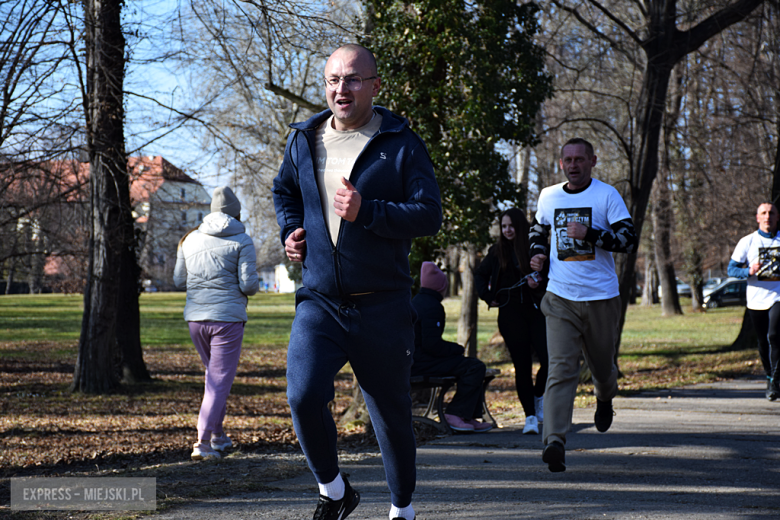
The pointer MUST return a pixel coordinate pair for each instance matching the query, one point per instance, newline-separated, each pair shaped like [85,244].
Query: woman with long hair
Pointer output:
[504,280]
[216,264]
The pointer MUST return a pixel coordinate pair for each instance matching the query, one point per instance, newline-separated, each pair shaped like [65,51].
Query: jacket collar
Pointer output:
[390,121]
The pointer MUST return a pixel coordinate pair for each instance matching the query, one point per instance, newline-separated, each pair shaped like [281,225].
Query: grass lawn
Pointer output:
[147,430]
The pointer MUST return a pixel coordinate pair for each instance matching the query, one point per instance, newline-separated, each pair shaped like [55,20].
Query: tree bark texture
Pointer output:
[776,173]
[467,324]
[662,218]
[128,325]
[650,289]
[97,364]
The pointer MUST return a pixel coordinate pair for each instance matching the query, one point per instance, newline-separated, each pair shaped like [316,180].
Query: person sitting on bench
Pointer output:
[435,357]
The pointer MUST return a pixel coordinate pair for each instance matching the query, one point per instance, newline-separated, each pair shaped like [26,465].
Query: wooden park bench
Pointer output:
[438,387]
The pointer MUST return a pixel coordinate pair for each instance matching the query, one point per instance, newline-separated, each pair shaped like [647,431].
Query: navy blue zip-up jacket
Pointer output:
[400,200]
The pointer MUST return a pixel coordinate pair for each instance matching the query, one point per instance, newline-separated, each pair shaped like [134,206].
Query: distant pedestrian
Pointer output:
[216,263]
[757,259]
[436,357]
[502,281]
[586,221]
[355,187]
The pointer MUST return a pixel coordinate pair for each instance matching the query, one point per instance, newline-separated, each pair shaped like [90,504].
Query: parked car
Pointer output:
[733,291]
[711,284]
[683,289]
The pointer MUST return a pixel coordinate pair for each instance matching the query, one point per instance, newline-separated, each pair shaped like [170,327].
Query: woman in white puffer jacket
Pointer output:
[217,265]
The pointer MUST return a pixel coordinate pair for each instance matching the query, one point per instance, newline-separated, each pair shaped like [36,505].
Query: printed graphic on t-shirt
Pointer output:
[570,250]
[769,258]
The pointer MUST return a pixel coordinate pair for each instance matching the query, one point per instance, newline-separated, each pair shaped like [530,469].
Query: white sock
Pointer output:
[333,490]
[402,512]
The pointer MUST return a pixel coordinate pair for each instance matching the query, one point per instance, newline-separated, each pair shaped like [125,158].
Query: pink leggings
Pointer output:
[219,346]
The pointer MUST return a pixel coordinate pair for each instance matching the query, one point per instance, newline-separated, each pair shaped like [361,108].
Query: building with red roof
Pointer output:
[44,229]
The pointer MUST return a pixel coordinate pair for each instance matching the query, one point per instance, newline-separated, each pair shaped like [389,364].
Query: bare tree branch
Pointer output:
[279,91]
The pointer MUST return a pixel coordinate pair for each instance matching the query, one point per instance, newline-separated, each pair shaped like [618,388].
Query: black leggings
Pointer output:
[767,324]
[524,331]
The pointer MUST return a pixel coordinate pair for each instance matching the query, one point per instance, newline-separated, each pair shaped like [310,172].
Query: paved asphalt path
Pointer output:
[703,452]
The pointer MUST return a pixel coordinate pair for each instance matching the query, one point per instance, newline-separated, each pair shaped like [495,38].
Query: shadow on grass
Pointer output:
[674,352]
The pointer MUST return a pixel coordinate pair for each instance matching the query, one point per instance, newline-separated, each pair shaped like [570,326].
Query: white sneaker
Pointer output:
[531,425]
[539,408]
[202,451]
[221,443]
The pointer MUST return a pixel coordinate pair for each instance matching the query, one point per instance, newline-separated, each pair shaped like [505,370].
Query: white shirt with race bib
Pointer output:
[763,288]
[579,270]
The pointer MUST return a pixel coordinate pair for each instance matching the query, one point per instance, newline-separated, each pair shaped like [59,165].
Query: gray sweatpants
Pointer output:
[573,327]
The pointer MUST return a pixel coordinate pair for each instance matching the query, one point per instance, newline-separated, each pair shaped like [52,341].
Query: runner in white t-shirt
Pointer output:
[586,221]
[757,259]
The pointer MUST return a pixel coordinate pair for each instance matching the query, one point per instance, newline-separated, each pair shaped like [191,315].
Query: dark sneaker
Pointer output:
[329,509]
[771,390]
[554,455]
[603,415]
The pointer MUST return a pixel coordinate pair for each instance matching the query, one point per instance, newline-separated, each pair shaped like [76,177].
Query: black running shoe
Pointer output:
[771,390]
[603,415]
[554,455]
[329,509]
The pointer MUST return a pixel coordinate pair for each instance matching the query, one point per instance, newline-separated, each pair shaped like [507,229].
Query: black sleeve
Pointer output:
[621,239]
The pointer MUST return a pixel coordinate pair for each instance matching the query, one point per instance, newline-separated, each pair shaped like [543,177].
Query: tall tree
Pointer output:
[97,369]
[469,79]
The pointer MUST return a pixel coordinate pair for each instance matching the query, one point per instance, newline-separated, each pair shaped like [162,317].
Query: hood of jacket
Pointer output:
[219,224]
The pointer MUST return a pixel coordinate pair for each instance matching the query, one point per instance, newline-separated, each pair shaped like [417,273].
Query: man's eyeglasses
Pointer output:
[353,83]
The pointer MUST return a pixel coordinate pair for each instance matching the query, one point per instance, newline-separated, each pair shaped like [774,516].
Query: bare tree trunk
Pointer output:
[453,272]
[128,328]
[467,324]
[776,174]
[35,278]
[650,290]
[695,278]
[662,230]
[12,261]
[96,367]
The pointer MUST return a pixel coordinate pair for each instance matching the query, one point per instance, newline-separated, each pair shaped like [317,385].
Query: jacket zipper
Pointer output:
[335,247]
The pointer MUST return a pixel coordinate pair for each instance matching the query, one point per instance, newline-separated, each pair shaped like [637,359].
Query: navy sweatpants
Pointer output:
[376,336]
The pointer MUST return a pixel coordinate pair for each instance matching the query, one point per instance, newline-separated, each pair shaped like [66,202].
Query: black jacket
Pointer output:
[428,343]
[487,280]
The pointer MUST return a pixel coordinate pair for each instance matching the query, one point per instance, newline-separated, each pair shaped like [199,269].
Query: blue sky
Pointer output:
[147,131]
